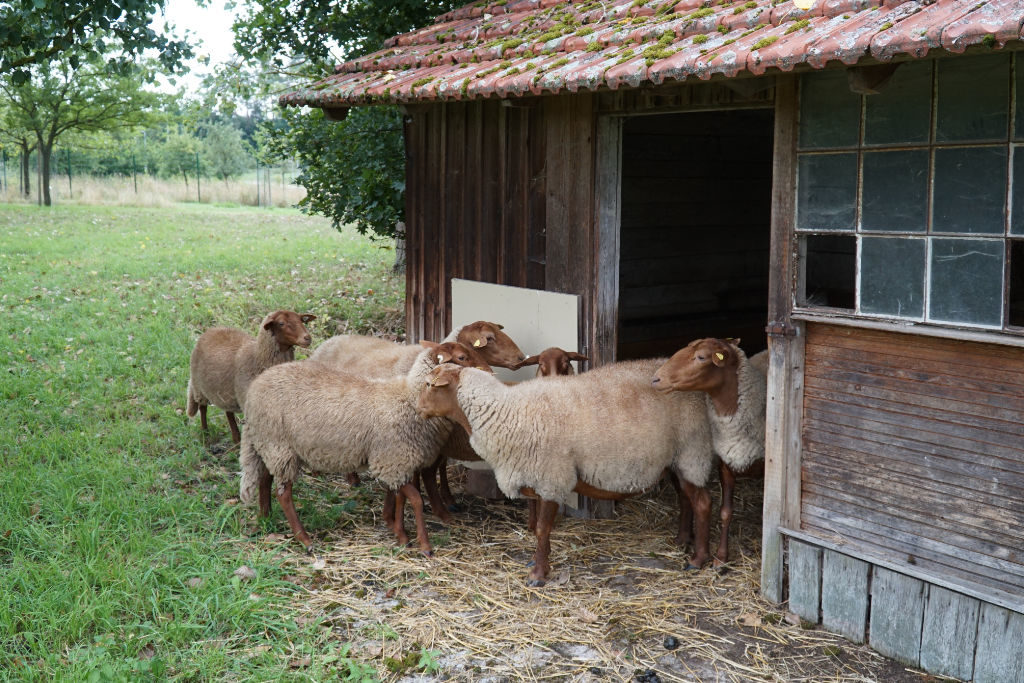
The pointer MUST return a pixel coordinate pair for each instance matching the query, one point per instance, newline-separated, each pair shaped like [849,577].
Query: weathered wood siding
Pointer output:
[913,449]
[498,194]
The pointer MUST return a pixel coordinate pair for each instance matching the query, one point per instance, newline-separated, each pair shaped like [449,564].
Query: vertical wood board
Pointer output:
[805,581]
[897,612]
[950,632]
[999,657]
[844,595]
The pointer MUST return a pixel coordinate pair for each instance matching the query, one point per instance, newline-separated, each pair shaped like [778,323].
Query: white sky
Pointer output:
[211,25]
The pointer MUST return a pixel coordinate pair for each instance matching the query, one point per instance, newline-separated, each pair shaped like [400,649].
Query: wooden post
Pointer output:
[785,346]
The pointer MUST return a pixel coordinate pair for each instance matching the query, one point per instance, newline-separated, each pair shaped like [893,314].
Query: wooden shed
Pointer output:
[842,184]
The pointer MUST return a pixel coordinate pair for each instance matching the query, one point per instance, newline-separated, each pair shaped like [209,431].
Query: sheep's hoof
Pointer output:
[535,583]
[455,507]
[427,553]
[530,563]
[722,569]
[690,567]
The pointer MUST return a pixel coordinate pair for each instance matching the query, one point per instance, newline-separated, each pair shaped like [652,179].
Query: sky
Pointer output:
[211,25]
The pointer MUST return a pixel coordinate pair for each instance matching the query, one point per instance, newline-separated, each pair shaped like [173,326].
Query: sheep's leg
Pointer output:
[389,509]
[545,521]
[700,499]
[531,510]
[397,521]
[416,500]
[728,482]
[353,478]
[284,498]
[236,435]
[446,492]
[266,478]
[684,536]
[429,477]
[202,418]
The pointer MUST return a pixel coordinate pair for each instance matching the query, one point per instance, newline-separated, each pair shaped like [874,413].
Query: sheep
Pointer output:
[606,434]
[375,357]
[225,360]
[553,361]
[736,390]
[308,413]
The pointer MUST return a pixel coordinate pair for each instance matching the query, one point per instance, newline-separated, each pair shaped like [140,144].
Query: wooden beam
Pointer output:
[785,346]
[608,181]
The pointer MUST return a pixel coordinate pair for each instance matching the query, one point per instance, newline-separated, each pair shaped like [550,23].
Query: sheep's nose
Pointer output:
[522,357]
[655,381]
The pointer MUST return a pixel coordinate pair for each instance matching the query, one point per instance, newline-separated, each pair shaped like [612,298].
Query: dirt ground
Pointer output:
[618,607]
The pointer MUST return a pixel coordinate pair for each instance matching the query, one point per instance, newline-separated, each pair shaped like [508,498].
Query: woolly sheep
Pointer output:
[225,360]
[307,413]
[736,395]
[553,361]
[606,434]
[376,357]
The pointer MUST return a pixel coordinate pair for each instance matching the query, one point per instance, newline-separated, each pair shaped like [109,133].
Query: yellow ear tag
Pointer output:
[720,356]
[476,344]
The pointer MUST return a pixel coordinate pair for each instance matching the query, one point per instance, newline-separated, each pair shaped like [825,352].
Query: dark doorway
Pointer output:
[695,230]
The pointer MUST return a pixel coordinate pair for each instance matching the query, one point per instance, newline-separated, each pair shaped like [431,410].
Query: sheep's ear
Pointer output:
[718,358]
[576,356]
[270,324]
[734,341]
[443,357]
[439,382]
[480,342]
[500,327]
[532,360]
[307,317]
[428,344]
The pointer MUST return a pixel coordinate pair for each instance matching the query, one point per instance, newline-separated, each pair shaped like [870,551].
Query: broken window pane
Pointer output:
[892,272]
[966,281]
[895,191]
[973,98]
[1016,268]
[970,190]
[830,270]
[827,192]
[902,111]
[829,111]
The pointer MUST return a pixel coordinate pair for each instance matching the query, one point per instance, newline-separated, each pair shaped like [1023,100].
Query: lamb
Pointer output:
[736,396]
[553,361]
[308,413]
[606,434]
[375,357]
[225,360]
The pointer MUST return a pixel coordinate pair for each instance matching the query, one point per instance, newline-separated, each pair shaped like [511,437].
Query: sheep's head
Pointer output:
[454,352]
[289,328]
[493,344]
[439,396]
[708,365]
[553,361]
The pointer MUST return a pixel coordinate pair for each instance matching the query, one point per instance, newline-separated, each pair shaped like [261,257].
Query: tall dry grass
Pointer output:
[147,191]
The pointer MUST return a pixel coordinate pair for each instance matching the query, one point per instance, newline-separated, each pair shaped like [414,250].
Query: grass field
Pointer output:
[120,533]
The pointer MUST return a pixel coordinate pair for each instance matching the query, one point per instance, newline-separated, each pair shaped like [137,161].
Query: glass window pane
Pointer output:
[902,111]
[1016,302]
[827,192]
[1018,70]
[973,98]
[970,190]
[830,270]
[829,111]
[895,194]
[892,273]
[1017,195]
[966,281]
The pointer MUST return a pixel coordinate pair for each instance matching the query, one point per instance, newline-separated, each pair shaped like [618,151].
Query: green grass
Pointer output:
[119,531]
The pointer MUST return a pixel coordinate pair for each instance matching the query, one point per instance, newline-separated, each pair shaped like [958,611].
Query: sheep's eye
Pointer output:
[701,358]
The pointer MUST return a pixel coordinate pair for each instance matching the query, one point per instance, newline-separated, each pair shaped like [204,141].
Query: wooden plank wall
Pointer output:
[913,448]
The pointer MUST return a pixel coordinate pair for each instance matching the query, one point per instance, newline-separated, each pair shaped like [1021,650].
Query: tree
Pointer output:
[14,134]
[177,155]
[59,97]
[225,153]
[33,31]
[353,171]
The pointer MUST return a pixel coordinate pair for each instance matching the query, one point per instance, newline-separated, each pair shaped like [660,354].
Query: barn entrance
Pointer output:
[694,236]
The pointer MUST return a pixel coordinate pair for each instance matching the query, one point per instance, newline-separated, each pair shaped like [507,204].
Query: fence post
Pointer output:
[135,174]
[198,199]
[67,155]
[257,182]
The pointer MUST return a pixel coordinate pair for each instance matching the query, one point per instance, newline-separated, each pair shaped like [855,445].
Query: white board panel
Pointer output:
[535,319]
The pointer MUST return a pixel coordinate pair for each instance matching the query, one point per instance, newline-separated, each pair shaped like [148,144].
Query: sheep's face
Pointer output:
[495,346]
[553,361]
[439,396]
[454,352]
[703,365]
[289,328]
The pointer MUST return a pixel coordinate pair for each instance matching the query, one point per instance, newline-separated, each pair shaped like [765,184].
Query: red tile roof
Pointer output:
[533,47]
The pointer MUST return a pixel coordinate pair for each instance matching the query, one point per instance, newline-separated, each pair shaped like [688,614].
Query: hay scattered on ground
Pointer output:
[617,604]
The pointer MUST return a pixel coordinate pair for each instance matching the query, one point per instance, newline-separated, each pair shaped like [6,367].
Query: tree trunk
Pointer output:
[45,152]
[399,264]
[26,176]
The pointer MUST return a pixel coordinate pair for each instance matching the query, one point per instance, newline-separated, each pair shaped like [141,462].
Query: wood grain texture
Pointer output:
[949,635]
[805,581]
[897,612]
[999,657]
[844,595]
